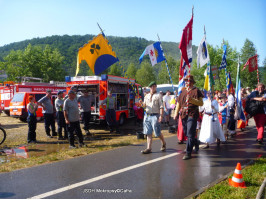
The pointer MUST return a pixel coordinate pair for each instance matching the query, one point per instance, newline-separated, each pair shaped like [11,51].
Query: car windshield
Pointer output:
[18,97]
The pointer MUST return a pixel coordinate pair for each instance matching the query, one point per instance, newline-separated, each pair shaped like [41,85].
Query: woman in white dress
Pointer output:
[210,127]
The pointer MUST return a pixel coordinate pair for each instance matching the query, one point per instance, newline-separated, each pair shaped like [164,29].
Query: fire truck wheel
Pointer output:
[122,119]
[7,112]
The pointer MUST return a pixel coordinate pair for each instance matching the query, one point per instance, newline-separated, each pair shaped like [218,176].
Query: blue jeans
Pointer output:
[189,126]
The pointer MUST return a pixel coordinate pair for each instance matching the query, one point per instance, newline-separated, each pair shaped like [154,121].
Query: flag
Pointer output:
[229,85]
[98,54]
[183,71]
[155,52]
[209,82]
[239,114]
[202,52]
[224,63]
[185,44]
[252,64]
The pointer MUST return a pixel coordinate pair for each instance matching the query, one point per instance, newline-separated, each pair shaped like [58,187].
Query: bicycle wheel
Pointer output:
[2,135]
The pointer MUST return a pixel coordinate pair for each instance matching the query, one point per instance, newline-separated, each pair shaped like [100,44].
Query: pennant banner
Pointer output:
[224,63]
[252,64]
[202,52]
[98,54]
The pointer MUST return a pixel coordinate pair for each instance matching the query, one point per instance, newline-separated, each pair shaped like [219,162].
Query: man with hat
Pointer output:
[48,111]
[154,114]
[189,119]
[61,124]
[85,101]
[71,113]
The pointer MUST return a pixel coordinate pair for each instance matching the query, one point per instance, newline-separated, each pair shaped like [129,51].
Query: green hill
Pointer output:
[128,49]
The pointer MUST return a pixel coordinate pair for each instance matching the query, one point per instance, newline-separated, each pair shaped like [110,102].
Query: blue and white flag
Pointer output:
[224,63]
[155,52]
[202,52]
[239,114]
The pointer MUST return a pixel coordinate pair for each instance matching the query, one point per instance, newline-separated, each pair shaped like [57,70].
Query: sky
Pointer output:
[231,20]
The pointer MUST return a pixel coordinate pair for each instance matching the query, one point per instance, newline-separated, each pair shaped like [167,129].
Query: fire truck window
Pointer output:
[39,96]
[18,97]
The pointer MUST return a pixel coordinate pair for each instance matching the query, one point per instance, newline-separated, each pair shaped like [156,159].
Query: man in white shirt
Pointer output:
[167,108]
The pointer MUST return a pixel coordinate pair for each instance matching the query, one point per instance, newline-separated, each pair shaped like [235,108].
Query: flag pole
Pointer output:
[258,76]
[123,69]
[226,78]
[167,67]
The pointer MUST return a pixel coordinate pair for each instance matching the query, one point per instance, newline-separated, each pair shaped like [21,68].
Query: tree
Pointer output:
[115,70]
[263,72]
[248,78]
[145,74]
[131,71]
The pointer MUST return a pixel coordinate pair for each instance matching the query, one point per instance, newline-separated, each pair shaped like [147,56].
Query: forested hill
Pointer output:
[128,49]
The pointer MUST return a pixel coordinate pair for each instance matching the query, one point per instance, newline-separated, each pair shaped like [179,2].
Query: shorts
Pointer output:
[150,124]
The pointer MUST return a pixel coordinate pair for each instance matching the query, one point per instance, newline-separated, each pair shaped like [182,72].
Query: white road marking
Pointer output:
[69,187]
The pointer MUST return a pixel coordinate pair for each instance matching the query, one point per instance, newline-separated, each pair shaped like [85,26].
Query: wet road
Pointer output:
[125,173]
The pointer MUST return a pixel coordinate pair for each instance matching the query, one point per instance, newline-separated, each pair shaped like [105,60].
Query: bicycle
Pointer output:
[2,135]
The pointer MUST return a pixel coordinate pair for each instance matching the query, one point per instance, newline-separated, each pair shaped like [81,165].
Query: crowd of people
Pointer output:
[205,118]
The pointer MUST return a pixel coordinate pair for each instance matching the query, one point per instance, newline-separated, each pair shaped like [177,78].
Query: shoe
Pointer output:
[259,141]
[146,151]
[218,142]
[82,145]
[72,147]
[180,142]
[187,156]
[54,134]
[163,148]
[185,151]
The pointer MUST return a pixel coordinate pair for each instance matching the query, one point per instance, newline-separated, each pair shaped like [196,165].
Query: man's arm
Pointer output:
[197,102]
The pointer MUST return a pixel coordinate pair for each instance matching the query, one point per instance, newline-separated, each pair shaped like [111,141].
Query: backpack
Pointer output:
[252,107]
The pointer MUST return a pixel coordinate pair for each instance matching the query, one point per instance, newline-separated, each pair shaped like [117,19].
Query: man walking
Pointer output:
[167,108]
[153,117]
[71,113]
[48,111]
[189,121]
[61,124]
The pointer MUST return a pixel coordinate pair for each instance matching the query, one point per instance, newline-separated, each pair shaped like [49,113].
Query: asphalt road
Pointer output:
[126,173]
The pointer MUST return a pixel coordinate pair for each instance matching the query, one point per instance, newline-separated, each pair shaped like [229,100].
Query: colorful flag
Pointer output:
[202,52]
[155,52]
[229,85]
[252,64]
[185,44]
[183,70]
[98,54]
[224,63]
[209,82]
[239,114]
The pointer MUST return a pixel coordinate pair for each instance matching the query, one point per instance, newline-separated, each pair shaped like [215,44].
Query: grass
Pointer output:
[253,176]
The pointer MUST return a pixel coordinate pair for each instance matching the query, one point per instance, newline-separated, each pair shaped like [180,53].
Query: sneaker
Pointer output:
[72,147]
[163,148]
[187,156]
[146,151]
[260,141]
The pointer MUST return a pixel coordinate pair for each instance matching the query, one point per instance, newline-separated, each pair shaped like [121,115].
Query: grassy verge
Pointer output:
[253,176]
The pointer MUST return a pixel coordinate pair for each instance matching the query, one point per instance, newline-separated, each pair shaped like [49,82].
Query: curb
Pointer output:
[197,193]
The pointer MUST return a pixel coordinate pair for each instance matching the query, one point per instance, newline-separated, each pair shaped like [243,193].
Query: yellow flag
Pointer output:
[98,54]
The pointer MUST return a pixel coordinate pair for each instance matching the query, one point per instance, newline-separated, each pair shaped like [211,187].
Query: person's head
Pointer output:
[60,94]
[71,94]
[261,87]
[161,93]
[209,94]
[86,93]
[247,88]
[109,93]
[153,87]
[168,92]
[48,93]
[191,80]
[74,88]
[223,98]
[31,99]
[219,93]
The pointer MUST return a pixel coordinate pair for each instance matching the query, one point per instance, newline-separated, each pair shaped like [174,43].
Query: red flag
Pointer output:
[252,64]
[181,70]
[186,42]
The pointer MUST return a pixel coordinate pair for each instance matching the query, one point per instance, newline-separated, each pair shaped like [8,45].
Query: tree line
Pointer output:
[53,58]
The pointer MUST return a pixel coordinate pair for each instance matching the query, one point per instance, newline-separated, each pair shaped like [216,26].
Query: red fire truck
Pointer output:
[19,93]
[126,93]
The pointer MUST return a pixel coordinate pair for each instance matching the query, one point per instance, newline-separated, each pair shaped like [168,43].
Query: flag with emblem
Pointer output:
[185,44]
[252,64]
[202,52]
[155,52]
[98,54]
[229,84]
[224,63]
[209,81]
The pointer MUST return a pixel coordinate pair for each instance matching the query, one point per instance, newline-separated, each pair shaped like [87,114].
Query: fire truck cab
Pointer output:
[126,93]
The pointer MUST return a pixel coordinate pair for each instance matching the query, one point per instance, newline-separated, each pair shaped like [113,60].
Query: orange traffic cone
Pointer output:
[237,179]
